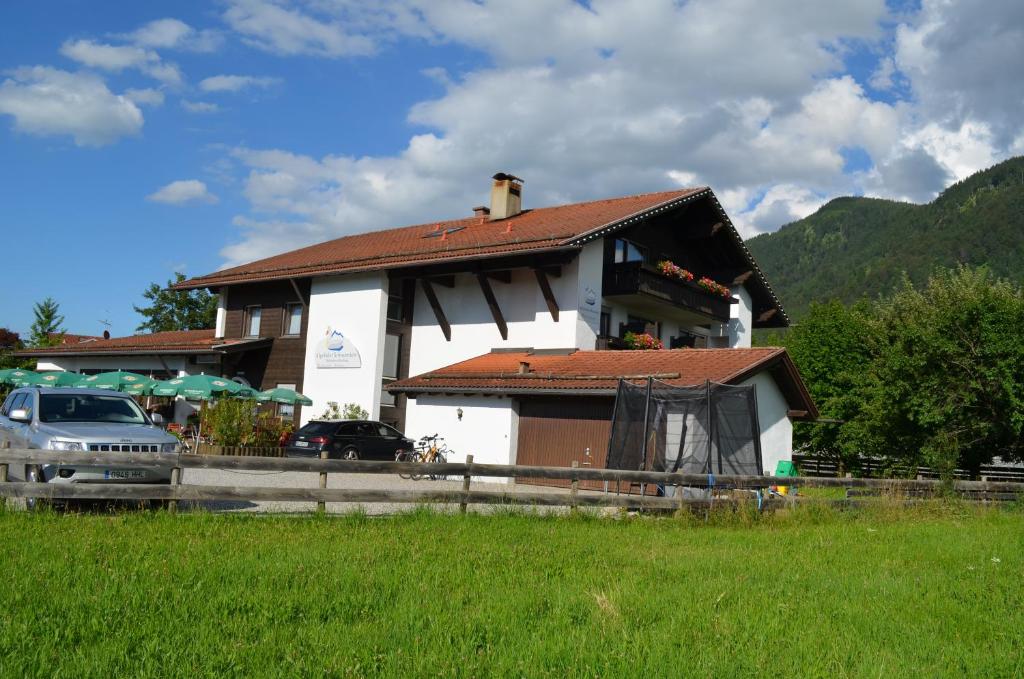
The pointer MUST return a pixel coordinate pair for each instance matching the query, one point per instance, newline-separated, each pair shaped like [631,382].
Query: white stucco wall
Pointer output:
[177,364]
[741,321]
[356,306]
[776,427]
[474,331]
[489,428]
[222,313]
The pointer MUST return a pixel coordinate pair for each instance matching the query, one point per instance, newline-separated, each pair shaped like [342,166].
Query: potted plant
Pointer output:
[642,340]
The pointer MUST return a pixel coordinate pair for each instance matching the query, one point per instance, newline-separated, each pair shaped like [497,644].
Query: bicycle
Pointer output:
[429,451]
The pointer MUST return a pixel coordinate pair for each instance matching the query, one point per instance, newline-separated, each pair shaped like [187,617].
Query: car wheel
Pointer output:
[350,453]
[34,474]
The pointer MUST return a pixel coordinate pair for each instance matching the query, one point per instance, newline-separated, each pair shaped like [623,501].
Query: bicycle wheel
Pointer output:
[440,459]
[404,457]
[415,457]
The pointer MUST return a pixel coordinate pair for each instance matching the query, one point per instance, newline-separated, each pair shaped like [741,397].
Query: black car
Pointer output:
[348,440]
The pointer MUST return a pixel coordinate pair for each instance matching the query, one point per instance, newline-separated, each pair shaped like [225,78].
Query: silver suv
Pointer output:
[88,420]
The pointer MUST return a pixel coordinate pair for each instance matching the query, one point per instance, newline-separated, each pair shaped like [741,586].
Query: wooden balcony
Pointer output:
[630,279]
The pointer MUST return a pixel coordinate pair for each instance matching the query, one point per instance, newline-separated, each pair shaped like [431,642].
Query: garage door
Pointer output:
[555,431]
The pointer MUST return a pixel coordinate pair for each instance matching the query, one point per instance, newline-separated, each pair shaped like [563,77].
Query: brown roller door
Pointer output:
[555,431]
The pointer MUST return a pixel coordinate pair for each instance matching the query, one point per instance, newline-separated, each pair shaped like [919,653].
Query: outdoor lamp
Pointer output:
[458,413]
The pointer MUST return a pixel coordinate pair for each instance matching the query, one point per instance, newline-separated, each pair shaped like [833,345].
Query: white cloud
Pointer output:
[613,97]
[117,58]
[182,192]
[234,83]
[147,97]
[175,34]
[271,26]
[48,101]
[199,106]
[107,57]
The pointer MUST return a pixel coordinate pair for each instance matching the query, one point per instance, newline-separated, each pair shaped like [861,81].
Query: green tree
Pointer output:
[831,347]
[171,309]
[10,342]
[46,330]
[946,384]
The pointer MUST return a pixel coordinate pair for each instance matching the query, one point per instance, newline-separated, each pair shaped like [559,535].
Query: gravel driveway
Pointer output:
[221,477]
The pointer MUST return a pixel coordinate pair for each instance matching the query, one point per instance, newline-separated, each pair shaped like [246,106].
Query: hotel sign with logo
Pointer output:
[334,350]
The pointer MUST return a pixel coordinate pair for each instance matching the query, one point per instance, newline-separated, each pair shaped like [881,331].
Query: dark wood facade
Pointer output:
[556,431]
[283,362]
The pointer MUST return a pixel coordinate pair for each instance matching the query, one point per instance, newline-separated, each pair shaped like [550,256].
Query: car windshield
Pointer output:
[318,428]
[89,408]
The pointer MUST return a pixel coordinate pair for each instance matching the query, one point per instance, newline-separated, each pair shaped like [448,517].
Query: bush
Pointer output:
[230,422]
[350,411]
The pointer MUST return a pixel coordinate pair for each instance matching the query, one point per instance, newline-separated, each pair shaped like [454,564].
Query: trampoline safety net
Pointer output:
[709,429]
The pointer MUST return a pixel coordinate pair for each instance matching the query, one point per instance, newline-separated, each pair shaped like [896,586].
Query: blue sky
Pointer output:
[139,139]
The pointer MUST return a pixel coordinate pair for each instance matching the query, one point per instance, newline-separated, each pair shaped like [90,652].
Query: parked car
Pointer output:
[348,440]
[86,420]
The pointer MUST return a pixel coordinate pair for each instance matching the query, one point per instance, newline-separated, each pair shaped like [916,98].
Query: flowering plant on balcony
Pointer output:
[670,269]
[642,341]
[713,287]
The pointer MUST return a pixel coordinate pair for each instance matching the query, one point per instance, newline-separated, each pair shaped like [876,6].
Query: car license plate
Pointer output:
[124,474]
[302,444]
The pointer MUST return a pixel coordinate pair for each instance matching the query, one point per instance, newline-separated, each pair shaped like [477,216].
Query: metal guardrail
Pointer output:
[175,491]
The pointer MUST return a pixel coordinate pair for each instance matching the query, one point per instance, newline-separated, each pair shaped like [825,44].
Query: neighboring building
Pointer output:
[160,355]
[349,316]
[548,407]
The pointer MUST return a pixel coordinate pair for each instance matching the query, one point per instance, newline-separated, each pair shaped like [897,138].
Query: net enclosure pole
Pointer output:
[611,434]
[647,425]
[710,420]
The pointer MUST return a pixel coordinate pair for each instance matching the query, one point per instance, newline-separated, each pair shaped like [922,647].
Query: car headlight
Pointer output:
[66,445]
[170,448]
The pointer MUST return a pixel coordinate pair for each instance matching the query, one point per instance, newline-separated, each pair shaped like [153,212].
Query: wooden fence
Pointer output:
[464,496]
[814,465]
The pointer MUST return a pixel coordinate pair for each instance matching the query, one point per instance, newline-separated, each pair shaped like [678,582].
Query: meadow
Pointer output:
[933,590]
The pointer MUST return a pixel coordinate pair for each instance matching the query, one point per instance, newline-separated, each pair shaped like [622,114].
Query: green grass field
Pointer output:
[936,591]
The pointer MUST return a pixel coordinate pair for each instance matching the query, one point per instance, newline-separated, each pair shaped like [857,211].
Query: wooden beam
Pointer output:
[553,271]
[716,227]
[446,281]
[442,321]
[500,276]
[549,296]
[767,315]
[742,278]
[298,293]
[492,302]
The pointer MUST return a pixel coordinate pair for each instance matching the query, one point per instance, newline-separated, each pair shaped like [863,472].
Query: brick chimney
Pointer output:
[506,196]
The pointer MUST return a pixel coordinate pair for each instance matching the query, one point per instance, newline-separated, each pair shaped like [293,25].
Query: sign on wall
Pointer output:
[334,350]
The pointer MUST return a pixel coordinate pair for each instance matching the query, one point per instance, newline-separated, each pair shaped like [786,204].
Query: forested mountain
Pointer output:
[853,247]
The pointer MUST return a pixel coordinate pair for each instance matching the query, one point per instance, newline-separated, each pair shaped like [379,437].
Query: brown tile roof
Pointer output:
[173,342]
[598,372]
[475,237]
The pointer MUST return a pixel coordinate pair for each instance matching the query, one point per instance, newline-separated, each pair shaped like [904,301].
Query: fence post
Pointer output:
[465,485]
[321,506]
[175,482]
[575,488]
[3,472]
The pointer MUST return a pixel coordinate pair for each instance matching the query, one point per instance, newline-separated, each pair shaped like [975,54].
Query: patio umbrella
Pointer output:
[49,379]
[118,381]
[13,376]
[199,387]
[281,395]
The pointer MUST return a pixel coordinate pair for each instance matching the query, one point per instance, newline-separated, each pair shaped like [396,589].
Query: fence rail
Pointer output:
[877,467]
[175,491]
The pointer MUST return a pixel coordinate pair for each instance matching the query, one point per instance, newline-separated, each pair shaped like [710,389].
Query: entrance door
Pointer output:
[554,432]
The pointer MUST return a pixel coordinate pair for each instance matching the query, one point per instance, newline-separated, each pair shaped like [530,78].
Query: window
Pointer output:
[7,404]
[606,322]
[627,251]
[293,320]
[15,402]
[395,303]
[252,321]
[392,358]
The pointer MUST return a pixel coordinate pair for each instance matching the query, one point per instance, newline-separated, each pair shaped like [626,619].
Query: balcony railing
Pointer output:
[633,278]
